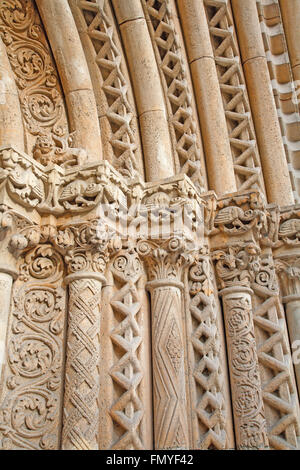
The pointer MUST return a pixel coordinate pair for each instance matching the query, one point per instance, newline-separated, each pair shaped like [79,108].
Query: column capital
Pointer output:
[166,260]
[236,265]
[288,270]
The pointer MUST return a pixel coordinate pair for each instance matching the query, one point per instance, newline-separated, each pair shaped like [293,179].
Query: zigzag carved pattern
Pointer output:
[127,373]
[236,106]
[207,380]
[82,378]
[279,393]
[174,78]
[108,58]
[168,370]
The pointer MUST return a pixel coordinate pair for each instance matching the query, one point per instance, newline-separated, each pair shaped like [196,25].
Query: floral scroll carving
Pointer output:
[246,391]
[39,89]
[30,411]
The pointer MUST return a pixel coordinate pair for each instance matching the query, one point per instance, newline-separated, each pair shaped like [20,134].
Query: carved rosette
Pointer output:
[30,412]
[165,265]
[247,400]
[237,267]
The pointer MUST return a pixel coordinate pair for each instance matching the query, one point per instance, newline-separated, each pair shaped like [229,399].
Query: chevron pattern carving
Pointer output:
[109,60]
[178,94]
[236,106]
[207,380]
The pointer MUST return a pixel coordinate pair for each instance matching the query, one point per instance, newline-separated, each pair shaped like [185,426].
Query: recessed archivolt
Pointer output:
[111,84]
[59,117]
[39,90]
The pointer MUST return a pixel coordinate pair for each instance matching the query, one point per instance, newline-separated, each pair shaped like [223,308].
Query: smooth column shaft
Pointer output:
[290,11]
[269,137]
[208,97]
[159,162]
[246,389]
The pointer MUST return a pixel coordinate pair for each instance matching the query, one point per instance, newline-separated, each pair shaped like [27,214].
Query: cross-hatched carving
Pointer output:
[168,370]
[81,410]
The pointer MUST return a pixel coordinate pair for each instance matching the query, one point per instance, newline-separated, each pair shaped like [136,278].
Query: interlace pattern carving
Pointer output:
[232,84]
[167,47]
[30,415]
[109,61]
[127,372]
[207,380]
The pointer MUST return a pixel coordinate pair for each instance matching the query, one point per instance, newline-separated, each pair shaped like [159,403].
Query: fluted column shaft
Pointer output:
[146,83]
[262,102]
[208,96]
[11,128]
[74,73]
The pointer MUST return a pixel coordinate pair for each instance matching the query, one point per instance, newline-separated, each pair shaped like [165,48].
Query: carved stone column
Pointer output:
[209,395]
[165,264]
[288,269]
[126,416]
[86,261]
[287,264]
[208,96]
[8,272]
[32,385]
[233,266]
[11,129]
